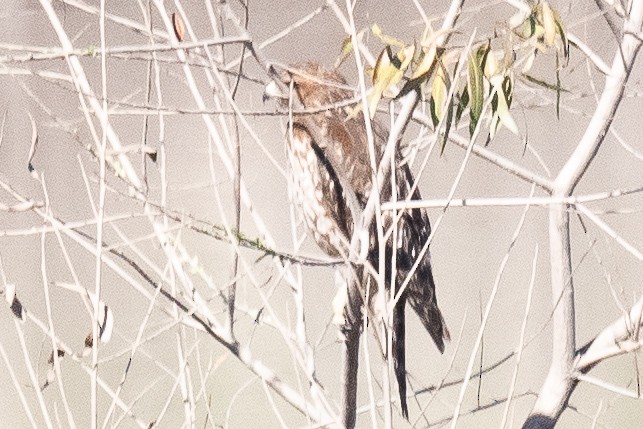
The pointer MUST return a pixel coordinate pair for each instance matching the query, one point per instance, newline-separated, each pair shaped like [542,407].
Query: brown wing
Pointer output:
[413,232]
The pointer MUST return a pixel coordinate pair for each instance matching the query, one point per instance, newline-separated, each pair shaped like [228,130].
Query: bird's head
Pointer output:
[314,85]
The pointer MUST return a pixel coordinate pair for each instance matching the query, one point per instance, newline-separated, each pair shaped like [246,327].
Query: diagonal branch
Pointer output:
[620,337]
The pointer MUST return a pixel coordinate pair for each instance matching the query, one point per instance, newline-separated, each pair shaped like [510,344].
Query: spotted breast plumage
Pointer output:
[333,156]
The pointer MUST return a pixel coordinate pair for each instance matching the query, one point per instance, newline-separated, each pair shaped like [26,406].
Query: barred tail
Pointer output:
[421,296]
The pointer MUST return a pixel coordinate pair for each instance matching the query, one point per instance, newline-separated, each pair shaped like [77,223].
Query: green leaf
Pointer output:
[500,103]
[507,89]
[463,102]
[434,117]
[540,82]
[475,85]
[563,36]
[482,54]
[447,127]
[527,28]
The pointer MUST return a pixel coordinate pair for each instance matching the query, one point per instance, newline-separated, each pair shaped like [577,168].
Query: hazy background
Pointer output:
[467,249]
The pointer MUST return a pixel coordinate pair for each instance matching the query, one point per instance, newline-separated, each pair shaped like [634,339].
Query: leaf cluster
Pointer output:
[487,78]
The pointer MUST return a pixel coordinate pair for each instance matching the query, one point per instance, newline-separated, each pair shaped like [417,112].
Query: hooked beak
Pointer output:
[271,91]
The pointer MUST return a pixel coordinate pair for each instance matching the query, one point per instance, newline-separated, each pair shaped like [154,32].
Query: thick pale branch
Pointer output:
[560,383]
[622,336]
[605,111]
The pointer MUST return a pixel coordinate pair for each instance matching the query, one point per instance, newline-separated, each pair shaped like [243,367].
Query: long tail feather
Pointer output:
[399,354]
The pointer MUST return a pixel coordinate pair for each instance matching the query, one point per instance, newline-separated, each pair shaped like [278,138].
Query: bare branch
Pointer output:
[560,383]
[622,336]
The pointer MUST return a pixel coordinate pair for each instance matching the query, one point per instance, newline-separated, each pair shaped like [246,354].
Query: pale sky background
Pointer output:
[467,249]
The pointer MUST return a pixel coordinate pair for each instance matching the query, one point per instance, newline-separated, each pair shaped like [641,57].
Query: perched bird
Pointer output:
[331,174]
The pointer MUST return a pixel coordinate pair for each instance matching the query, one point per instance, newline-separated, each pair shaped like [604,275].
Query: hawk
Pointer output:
[331,174]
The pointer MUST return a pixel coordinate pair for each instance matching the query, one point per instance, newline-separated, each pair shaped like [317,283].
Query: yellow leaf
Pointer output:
[439,93]
[529,62]
[549,24]
[347,48]
[427,64]
[503,114]
[502,94]
[386,39]
[490,66]
[388,72]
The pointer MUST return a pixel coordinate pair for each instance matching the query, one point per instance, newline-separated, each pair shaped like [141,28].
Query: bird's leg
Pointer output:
[350,331]
[349,392]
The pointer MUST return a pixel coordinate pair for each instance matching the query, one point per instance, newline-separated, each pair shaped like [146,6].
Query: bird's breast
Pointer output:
[314,192]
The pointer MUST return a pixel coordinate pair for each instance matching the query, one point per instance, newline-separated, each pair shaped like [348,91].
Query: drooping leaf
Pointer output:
[563,36]
[490,66]
[549,24]
[447,127]
[507,89]
[500,104]
[494,122]
[544,84]
[439,92]
[387,73]
[494,100]
[538,39]
[509,54]
[386,39]
[434,117]
[482,54]
[405,56]
[518,19]
[428,54]
[504,116]
[427,64]
[382,64]
[179,27]
[527,28]
[346,49]
[475,86]
[529,62]
[463,102]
